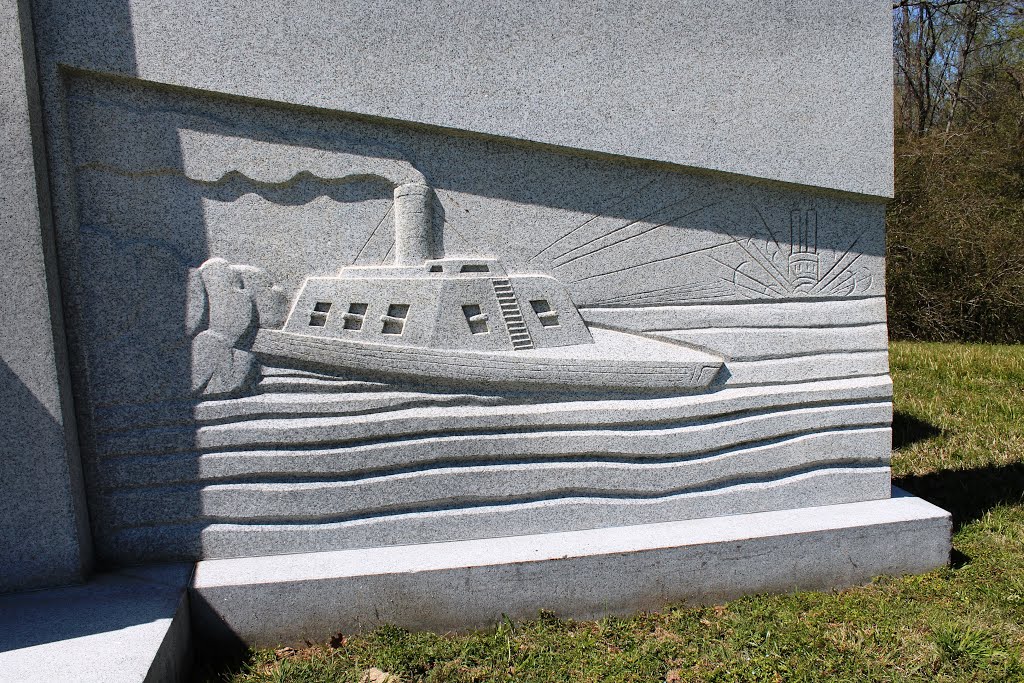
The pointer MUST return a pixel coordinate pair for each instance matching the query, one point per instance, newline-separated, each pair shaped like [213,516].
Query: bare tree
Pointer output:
[939,45]
[955,268]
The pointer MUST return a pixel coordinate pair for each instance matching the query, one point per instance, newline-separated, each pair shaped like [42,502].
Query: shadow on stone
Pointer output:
[218,650]
[968,494]
[908,430]
[119,607]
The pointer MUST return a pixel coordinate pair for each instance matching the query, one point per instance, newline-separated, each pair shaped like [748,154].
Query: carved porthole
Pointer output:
[354,316]
[476,319]
[548,316]
[394,321]
[318,318]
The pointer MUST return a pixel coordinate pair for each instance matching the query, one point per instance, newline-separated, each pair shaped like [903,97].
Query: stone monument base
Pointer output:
[125,626]
[582,574]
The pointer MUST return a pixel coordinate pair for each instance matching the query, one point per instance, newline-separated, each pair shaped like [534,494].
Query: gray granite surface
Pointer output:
[458,585]
[44,536]
[428,314]
[129,626]
[791,90]
[360,275]
[296,330]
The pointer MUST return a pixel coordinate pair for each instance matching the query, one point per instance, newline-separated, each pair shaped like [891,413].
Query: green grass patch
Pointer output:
[959,432]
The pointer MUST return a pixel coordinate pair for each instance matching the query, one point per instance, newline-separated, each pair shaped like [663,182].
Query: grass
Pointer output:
[959,436]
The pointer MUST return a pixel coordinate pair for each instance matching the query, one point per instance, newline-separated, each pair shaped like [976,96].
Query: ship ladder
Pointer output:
[512,315]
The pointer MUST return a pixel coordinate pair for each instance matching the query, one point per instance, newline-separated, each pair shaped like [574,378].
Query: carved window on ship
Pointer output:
[318,318]
[548,316]
[354,317]
[476,319]
[394,321]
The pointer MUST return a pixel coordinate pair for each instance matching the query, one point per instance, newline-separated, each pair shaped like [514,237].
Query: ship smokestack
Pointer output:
[413,224]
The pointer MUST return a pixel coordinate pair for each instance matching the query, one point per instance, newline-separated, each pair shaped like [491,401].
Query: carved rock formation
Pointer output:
[228,303]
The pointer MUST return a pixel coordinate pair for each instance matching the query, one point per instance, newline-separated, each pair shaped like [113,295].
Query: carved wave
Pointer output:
[210,539]
[764,314]
[819,367]
[281,471]
[474,484]
[420,451]
[785,342]
[277,404]
[476,424]
[595,413]
[770,343]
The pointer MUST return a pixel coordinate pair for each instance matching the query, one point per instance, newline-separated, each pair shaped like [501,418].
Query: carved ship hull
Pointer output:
[615,361]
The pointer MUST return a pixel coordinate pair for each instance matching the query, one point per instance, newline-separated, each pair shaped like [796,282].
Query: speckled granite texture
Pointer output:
[282,348]
[126,626]
[582,574]
[797,90]
[465,270]
[44,536]
[585,289]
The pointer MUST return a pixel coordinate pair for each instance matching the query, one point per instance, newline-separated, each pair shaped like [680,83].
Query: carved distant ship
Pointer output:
[467,321]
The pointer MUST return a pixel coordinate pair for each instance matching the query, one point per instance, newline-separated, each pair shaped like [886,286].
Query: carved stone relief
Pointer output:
[303,332]
[227,306]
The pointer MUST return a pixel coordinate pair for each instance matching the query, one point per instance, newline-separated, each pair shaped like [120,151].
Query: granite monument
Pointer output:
[427,315]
